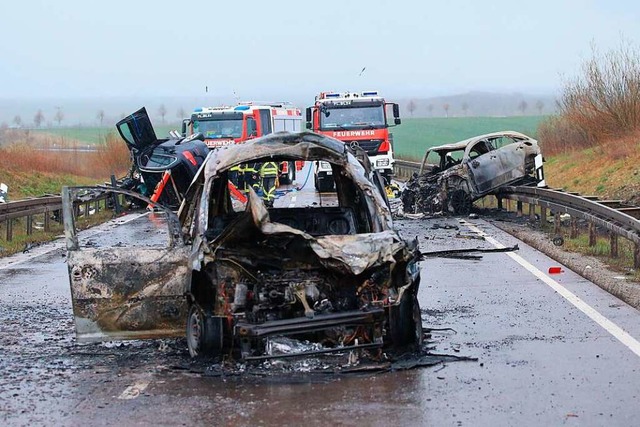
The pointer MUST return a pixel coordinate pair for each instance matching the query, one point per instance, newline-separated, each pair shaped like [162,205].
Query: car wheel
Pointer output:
[405,324]
[204,333]
[460,202]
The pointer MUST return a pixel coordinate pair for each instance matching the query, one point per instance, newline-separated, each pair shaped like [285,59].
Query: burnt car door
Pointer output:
[137,130]
[128,283]
[508,160]
[484,166]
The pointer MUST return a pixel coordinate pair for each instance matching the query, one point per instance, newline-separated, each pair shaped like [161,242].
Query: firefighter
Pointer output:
[234,175]
[269,175]
[251,176]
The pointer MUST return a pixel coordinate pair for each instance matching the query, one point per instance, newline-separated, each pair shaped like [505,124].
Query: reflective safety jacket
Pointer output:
[250,168]
[269,169]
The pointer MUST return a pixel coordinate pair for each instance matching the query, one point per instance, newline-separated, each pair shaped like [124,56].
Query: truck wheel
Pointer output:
[204,333]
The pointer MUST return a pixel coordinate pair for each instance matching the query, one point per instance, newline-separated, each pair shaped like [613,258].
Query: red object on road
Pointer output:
[555,270]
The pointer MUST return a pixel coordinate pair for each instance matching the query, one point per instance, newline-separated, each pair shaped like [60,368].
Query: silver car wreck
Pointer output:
[232,275]
[453,176]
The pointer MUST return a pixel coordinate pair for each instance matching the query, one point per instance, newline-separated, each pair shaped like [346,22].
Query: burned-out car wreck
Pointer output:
[236,274]
[453,176]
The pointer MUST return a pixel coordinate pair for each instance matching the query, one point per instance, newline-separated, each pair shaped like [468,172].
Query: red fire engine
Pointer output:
[226,125]
[355,118]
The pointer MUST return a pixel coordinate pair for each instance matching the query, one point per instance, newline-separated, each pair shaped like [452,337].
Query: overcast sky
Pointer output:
[69,48]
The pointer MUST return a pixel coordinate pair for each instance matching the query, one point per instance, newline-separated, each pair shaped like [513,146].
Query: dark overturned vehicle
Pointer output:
[235,276]
[453,176]
[161,168]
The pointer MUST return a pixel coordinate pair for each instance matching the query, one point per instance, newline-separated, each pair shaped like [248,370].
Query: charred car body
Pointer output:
[452,176]
[162,166]
[236,275]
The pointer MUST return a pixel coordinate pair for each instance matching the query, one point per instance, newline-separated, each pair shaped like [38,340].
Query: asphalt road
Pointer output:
[551,349]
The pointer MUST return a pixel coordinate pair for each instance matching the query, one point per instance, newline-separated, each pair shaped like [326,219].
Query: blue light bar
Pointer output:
[332,95]
[197,110]
[242,108]
[370,93]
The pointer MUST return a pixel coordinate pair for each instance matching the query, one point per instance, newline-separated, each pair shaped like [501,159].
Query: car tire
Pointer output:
[460,202]
[204,333]
[405,324]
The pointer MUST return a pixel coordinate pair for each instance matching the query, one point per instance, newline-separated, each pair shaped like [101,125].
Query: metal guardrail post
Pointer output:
[613,240]
[9,230]
[116,202]
[556,223]
[574,228]
[592,234]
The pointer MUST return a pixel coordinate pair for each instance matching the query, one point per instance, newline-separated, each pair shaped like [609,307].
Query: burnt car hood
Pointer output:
[285,247]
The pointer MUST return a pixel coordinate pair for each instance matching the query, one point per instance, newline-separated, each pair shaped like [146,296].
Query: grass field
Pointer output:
[414,136]
[411,138]
[94,135]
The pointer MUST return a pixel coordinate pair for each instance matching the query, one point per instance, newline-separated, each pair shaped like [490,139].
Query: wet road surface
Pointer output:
[541,360]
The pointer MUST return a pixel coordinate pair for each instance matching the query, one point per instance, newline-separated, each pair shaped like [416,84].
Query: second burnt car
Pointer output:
[161,168]
[452,176]
[233,274]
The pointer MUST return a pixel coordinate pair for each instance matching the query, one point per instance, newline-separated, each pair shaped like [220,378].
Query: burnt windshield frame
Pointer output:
[353,115]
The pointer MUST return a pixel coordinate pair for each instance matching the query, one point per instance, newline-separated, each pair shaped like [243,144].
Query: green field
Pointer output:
[94,135]
[414,136]
[411,138]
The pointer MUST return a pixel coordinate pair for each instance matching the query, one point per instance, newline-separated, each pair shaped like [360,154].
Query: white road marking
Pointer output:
[134,390]
[620,334]
[293,202]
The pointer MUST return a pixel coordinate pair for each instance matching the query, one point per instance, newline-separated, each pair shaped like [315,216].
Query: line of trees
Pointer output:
[465,107]
[39,119]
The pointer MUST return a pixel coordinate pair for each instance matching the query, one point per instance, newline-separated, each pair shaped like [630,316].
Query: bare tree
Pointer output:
[180,113]
[522,106]
[430,109]
[162,111]
[38,119]
[446,108]
[411,107]
[17,120]
[539,106]
[59,117]
[465,108]
[100,116]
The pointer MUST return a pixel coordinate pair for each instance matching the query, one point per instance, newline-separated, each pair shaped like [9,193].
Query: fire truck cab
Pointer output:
[227,125]
[357,119]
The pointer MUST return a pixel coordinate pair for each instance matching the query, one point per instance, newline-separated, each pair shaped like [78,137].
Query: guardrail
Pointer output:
[48,206]
[403,169]
[614,216]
